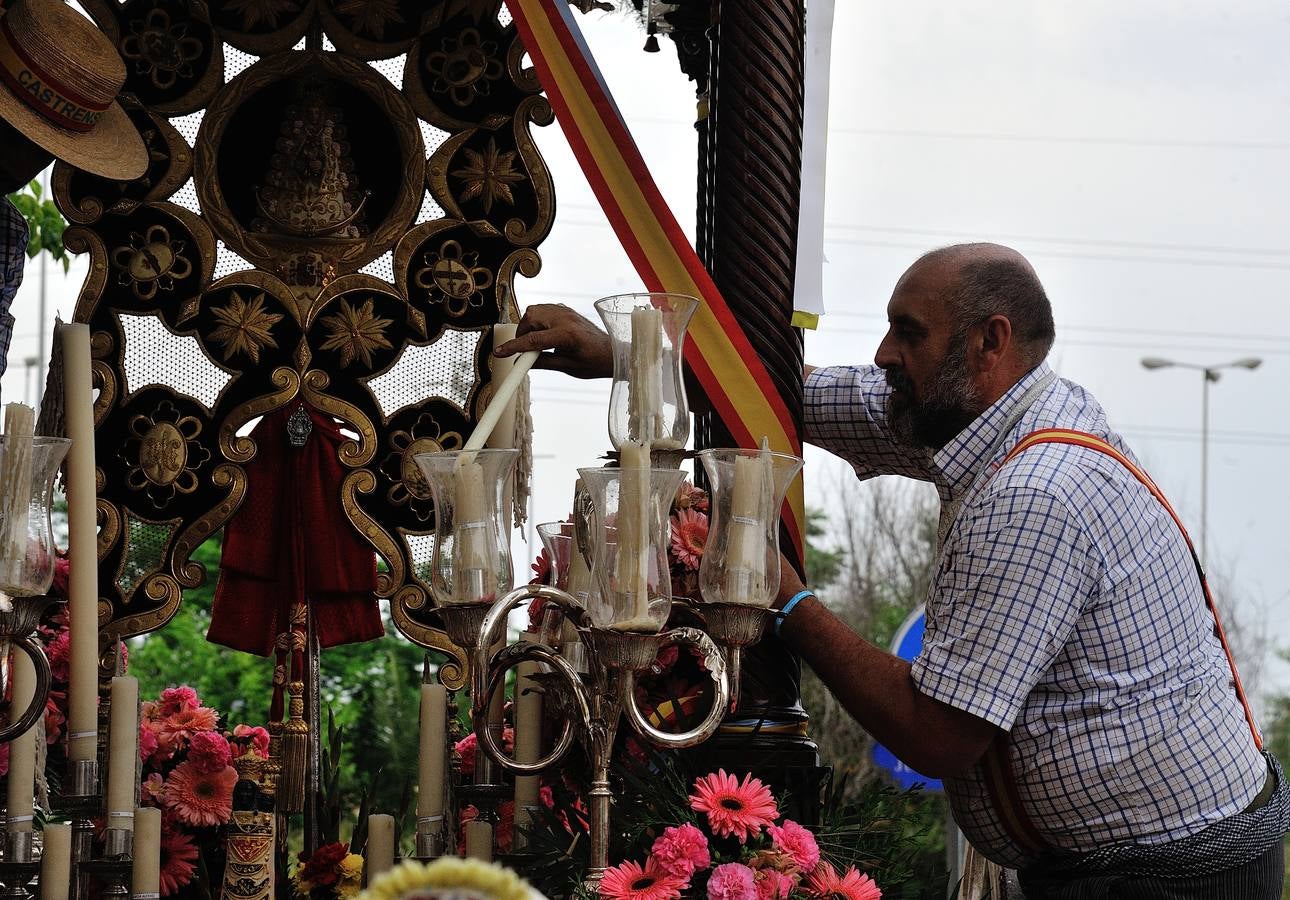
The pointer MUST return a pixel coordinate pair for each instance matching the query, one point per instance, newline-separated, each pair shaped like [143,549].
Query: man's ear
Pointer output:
[996,341]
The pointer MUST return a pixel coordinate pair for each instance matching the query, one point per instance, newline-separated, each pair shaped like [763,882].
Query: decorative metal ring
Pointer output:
[716,664]
[505,659]
[36,652]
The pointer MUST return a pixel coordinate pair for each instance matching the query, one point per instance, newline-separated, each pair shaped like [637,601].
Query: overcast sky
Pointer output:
[1138,154]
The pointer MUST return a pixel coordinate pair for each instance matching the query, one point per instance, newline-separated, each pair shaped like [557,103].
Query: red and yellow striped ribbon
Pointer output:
[717,349]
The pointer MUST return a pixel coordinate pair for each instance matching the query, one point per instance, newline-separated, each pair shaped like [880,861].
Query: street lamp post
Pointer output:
[1208,374]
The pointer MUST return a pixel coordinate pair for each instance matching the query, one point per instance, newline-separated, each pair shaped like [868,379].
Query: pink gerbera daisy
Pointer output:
[797,842]
[689,534]
[178,855]
[732,881]
[734,808]
[198,798]
[631,881]
[826,883]
[681,851]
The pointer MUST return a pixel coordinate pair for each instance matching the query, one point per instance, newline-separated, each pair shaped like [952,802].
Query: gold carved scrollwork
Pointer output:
[160,589]
[239,449]
[229,477]
[109,522]
[454,672]
[363,482]
[352,453]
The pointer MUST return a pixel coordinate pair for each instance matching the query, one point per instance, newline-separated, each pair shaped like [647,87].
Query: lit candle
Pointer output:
[645,387]
[528,733]
[56,861]
[433,750]
[479,840]
[123,751]
[746,553]
[146,878]
[633,536]
[22,750]
[82,545]
[380,845]
[15,495]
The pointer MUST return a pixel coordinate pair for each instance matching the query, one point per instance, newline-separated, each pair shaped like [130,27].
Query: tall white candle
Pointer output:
[15,495]
[82,544]
[474,568]
[22,750]
[502,395]
[147,851]
[479,841]
[380,845]
[123,751]
[633,535]
[433,750]
[56,860]
[504,434]
[645,388]
[751,494]
[528,733]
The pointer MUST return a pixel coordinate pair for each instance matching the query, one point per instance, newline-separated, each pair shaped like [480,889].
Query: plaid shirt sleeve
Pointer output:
[1008,595]
[846,414]
[13,256]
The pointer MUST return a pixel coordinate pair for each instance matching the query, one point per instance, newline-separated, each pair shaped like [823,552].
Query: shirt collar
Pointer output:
[961,460]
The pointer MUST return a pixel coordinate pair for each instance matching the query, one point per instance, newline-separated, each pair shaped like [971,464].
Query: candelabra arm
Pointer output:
[511,656]
[40,662]
[493,629]
[716,665]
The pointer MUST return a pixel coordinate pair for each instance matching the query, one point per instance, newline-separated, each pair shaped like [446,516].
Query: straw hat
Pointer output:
[59,77]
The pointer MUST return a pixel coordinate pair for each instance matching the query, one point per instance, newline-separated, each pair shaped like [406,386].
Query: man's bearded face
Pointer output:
[951,400]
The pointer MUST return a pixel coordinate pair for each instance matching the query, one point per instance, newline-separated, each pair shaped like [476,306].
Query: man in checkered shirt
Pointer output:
[1066,613]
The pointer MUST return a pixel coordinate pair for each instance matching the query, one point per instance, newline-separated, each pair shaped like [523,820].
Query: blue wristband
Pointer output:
[788,608]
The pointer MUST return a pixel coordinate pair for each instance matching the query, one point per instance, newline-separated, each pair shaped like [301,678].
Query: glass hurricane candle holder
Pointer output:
[27,549]
[647,403]
[630,533]
[471,563]
[741,557]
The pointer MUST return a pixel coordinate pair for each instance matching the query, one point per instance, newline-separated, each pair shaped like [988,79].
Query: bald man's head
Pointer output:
[984,280]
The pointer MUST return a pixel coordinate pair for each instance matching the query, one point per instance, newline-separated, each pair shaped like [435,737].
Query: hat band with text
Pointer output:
[44,94]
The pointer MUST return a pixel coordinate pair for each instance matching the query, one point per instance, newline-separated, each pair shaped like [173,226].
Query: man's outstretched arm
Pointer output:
[878,691]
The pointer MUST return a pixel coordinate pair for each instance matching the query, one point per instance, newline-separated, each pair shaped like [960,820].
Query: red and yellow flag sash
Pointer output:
[717,349]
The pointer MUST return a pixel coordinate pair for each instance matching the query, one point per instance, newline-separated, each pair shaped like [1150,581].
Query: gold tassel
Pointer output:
[295,752]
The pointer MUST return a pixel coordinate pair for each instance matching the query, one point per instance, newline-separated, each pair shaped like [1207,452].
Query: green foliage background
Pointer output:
[45,223]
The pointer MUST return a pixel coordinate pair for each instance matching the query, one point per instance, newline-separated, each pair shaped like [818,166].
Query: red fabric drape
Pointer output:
[291,541]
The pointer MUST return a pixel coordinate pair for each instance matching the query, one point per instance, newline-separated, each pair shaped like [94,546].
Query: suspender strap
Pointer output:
[996,765]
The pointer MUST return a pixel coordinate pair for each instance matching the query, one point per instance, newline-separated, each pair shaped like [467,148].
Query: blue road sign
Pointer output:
[906,645]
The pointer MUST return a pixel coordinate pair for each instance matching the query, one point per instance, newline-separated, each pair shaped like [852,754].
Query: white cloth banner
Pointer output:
[808,289]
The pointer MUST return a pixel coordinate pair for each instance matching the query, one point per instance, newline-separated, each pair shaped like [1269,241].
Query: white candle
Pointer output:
[82,545]
[380,845]
[645,388]
[633,536]
[528,733]
[15,495]
[751,494]
[22,750]
[433,750]
[503,436]
[56,861]
[501,398]
[479,840]
[123,752]
[146,877]
[474,568]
